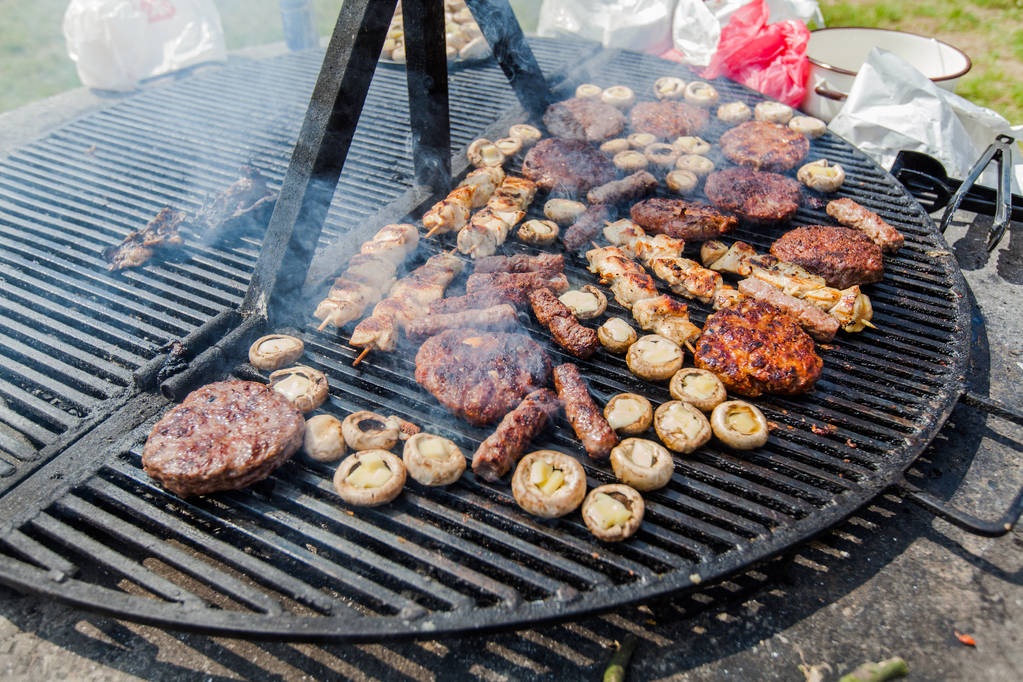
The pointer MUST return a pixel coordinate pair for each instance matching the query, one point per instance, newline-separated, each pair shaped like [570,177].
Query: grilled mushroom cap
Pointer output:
[304,387]
[821,175]
[681,426]
[323,440]
[681,181]
[589,91]
[661,154]
[701,94]
[586,302]
[696,164]
[641,140]
[654,357]
[548,483]
[613,512]
[690,144]
[538,232]
[773,112]
[529,135]
[739,425]
[734,112]
[619,96]
[616,335]
[563,211]
[809,126]
[669,87]
[629,413]
[698,387]
[509,146]
[369,478]
[433,460]
[619,144]
[642,463]
[366,430]
[274,351]
[630,161]
[483,152]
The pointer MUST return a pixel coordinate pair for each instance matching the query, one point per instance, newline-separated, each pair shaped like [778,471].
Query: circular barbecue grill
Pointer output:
[285,558]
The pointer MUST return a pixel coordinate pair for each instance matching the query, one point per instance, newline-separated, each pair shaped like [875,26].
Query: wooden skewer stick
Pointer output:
[433,231]
[868,323]
[364,353]
[690,347]
[327,320]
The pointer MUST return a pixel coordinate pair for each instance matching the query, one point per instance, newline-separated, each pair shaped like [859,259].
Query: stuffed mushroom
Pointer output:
[642,463]
[629,413]
[549,484]
[739,425]
[698,387]
[616,335]
[432,460]
[613,512]
[586,302]
[681,426]
[304,387]
[654,357]
[538,232]
[369,478]
[323,439]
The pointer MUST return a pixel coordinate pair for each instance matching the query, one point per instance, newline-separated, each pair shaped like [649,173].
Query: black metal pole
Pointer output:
[319,156]
[426,69]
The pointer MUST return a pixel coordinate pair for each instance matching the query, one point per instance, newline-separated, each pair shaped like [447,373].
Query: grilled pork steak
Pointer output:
[668,119]
[842,256]
[755,348]
[583,119]
[764,146]
[481,376]
[223,436]
[570,166]
[756,196]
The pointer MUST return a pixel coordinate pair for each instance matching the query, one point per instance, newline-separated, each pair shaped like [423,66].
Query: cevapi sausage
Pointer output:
[589,424]
[639,184]
[495,318]
[513,287]
[578,340]
[586,227]
[505,446]
[548,264]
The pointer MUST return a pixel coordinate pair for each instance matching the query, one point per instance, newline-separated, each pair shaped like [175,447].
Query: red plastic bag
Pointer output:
[770,58]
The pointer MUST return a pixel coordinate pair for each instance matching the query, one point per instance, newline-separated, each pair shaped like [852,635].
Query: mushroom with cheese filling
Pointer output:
[733,113]
[589,91]
[369,478]
[629,413]
[661,154]
[618,144]
[563,211]
[642,463]
[509,146]
[701,94]
[773,112]
[433,460]
[585,303]
[697,387]
[641,140]
[274,351]
[323,439]
[698,165]
[690,144]
[613,512]
[654,357]
[821,175]
[548,483]
[304,387]
[538,232]
[809,126]
[529,135]
[364,430]
[681,181]
[739,425]
[619,96]
[616,335]
[630,161]
[681,426]
[482,152]
[669,87]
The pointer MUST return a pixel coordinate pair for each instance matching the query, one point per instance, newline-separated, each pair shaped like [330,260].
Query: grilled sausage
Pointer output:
[852,214]
[589,424]
[549,264]
[578,340]
[631,187]
[495,318]
[586,227]
[817,323]
[513,287]
[496,455]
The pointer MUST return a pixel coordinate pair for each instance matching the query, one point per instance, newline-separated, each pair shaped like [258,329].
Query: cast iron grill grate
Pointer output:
[285,558]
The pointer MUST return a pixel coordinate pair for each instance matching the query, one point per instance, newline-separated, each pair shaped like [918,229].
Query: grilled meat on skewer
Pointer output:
[513,287]
[852,214]
[505,446]
[578,340]
[481,376]
[139,246]
[485,181]
[586,227]
[588,422]
[682,219]
[842,256]
[754,348]
[489,227]
[548,264]
[667,317]
[450,213]
[627,280]
[495,318]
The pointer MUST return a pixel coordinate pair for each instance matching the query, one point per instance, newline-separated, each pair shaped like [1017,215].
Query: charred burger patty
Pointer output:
[764,146]
[756,196]
[668,119]
[842,256]
[583,119]
[570,166]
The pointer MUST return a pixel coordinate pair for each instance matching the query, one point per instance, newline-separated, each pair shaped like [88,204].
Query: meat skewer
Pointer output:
[369,274]
[451,213]
[850,307]
[500,317]
[496,455]
[851,214]
[489,226]
[409,298]
[577,339]
[588,422]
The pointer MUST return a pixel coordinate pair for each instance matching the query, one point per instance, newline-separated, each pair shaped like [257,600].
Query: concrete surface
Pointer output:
[892,580]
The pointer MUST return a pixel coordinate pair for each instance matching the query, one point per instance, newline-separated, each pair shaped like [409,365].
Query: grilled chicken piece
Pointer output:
[489,227]
[484,181]
[852,214]
[754,348]
[138,246]
[687,277]
[667,317]
[817,323]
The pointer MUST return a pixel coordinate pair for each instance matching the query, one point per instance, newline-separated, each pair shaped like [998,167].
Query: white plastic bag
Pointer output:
[117,43]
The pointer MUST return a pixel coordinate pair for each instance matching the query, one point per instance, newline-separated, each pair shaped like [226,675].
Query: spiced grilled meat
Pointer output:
[583,119]
[668,119]
[756,196]
[570,166]
[764,146]
[223,436]
[512,287]
[549,264]
[842,256]
[506,445]
[754,348]
[480,376]
[577,339]
[688,220]
[596,435]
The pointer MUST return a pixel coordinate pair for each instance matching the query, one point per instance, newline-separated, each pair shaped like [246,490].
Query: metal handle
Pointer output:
[830,94]
[1001,152]
[956,517]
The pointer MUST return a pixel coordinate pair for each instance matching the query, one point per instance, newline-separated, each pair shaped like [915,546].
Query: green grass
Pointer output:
[34,62]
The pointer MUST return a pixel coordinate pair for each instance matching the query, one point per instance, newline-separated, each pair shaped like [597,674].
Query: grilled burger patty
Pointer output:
[583,119]
[754,348]
[688,220]
[570,166]
[223,436]
[764,146]
[668,119]
[842,256]
[756,196]
[481,376]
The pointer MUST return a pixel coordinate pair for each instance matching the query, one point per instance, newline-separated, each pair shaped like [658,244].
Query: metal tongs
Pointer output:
[924,176]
